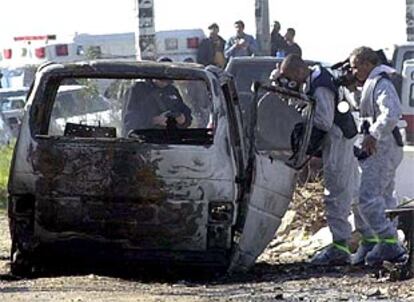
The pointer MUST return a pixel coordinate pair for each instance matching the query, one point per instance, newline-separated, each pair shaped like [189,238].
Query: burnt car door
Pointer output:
[274,166]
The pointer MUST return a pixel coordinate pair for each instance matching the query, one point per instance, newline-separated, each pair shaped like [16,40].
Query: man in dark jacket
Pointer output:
[277,42]
[211,49]
[151,103]
[292,48]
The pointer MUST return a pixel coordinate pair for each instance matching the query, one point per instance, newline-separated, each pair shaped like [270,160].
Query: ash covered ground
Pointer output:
[281,273]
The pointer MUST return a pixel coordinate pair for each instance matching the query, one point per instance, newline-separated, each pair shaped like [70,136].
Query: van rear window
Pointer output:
[144,107]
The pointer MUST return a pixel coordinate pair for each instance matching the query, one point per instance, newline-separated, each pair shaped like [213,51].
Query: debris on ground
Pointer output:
[303,230]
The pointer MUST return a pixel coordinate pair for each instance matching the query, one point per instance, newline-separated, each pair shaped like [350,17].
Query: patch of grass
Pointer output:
[6,153]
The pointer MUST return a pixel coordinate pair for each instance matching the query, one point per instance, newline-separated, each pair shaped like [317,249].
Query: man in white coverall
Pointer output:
[380,109]
[337,152]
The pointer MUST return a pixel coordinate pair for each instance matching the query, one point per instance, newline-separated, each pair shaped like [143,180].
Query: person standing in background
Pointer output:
[291,46]
[241,44]
[277,42]
[211,50]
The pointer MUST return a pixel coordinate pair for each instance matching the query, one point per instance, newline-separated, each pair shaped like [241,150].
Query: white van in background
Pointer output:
[36,50]
[407,98]
[178,45]
[403,62]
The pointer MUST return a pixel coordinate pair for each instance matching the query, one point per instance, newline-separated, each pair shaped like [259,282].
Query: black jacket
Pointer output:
[277,43]
[207,50]
[293,49]
[146,101]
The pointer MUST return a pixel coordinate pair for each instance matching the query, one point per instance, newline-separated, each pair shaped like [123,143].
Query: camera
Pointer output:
[342,73]
[171,116]
[360,154]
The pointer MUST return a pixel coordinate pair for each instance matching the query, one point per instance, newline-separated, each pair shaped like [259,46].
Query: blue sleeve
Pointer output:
[229,48]
[253,47]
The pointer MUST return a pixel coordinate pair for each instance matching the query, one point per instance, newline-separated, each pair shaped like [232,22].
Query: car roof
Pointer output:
[13,90]
[12,98]
[255,59]
[259,59]
[406,44]
[126,69]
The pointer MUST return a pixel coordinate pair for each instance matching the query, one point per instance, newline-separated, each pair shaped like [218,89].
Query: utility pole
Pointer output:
[410,19]
[263,26]
[145,32]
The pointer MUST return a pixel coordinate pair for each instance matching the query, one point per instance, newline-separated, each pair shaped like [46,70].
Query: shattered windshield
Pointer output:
[136,109]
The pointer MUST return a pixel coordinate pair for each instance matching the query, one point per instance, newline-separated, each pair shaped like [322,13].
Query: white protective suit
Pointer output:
[379,102]
[339,164]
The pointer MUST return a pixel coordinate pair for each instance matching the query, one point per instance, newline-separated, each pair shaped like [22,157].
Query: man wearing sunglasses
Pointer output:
[338,159]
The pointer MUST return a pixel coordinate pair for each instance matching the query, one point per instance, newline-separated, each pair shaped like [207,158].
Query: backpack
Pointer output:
[345,121]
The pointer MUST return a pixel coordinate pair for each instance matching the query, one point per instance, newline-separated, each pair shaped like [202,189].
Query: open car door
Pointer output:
[274,167]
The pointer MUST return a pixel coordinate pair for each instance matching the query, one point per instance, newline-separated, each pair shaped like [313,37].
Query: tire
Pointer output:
[409,232]
[21,265]
[21,224]
[406,224]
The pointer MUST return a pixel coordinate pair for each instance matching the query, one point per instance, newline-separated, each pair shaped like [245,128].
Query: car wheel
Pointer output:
[21,223]
[21,265]
[407,225]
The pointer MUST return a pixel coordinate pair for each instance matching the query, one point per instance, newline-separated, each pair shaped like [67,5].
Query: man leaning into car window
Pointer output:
[338,160]
[155,104]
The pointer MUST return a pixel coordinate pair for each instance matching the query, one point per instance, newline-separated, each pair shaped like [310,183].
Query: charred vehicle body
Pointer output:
[203,192]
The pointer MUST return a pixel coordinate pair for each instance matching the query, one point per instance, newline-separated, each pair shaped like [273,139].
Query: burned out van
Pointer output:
[207,193]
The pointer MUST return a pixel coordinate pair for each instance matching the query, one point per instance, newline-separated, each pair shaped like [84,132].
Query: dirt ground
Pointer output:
[266,282]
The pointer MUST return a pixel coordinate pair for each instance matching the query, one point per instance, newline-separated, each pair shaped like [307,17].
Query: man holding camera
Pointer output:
[337,152]
[380,110]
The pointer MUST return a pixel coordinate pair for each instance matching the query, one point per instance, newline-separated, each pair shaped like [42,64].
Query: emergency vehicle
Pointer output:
[178,45]
[403,61]
[407,98]
[34,50]
[20,59]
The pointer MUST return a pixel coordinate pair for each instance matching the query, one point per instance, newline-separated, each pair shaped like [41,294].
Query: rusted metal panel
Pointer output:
[22,178]
[128,191]
[172,225]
